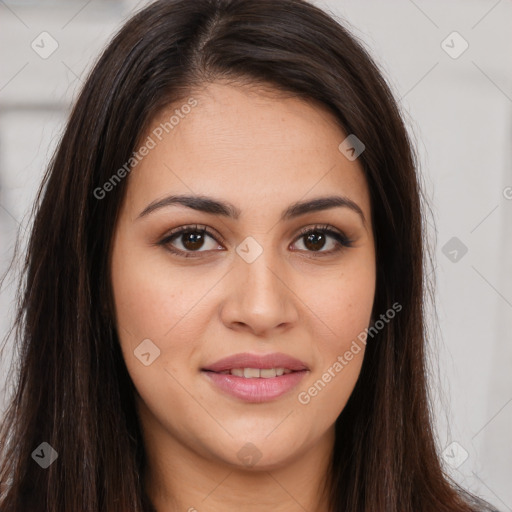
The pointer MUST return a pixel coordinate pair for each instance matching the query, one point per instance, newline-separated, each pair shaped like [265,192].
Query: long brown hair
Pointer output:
[72,388]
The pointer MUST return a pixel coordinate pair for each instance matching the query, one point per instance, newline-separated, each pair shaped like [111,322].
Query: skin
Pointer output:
[261,152]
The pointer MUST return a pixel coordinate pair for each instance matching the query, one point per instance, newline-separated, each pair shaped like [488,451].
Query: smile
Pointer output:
[254,373]
[260,385]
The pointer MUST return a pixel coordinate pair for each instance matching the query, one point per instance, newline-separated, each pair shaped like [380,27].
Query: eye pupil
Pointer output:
[193,240]
[313,239]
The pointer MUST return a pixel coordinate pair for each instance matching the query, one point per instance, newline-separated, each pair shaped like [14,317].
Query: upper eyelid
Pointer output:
[195,227]
[212,233]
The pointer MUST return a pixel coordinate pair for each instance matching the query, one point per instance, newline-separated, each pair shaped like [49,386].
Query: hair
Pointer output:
[72,387]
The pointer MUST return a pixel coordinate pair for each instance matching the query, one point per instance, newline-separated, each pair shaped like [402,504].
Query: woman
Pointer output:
[223,306]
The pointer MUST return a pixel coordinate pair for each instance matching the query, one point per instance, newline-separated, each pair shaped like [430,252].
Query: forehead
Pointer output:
[247,146]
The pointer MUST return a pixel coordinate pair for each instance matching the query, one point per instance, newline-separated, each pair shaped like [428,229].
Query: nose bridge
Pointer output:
[262,299]
[258,266]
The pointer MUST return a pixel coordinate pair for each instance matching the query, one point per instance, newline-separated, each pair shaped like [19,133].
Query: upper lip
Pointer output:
[246,360]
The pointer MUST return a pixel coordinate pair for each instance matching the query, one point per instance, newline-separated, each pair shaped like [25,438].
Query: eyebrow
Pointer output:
[225,209]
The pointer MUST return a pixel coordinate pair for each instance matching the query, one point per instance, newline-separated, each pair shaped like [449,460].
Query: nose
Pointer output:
[260,297]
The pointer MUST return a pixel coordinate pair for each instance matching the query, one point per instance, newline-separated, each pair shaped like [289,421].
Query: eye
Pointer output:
[193,238]
[315,239]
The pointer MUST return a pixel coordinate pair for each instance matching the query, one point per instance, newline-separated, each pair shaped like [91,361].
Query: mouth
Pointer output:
[256,373]
[256,378]
[250,364]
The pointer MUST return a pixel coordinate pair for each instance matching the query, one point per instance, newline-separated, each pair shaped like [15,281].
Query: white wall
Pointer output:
[459,110]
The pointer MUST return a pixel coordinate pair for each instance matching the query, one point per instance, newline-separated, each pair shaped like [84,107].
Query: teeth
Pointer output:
[252,373]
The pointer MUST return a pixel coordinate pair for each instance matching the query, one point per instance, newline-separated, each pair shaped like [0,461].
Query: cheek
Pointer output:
[341,307]
[151,297]
[346,308]
[155,302]
[343,302]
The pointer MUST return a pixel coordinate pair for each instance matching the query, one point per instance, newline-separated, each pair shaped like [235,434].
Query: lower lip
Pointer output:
[256,389]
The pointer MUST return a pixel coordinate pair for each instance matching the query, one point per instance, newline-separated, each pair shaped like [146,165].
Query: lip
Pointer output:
[247,360]
[256,390]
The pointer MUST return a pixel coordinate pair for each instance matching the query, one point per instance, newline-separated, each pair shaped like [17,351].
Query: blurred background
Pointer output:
[449,64]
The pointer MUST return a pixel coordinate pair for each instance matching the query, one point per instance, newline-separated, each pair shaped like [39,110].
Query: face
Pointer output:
[280,290]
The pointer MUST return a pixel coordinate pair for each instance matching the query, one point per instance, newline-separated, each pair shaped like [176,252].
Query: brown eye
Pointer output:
[316,238]
[315,241]
[191,239]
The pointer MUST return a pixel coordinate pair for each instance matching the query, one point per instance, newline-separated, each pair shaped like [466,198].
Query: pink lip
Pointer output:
[256,389]
[246,360]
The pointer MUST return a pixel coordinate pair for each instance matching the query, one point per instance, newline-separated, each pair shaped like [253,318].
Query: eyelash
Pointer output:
[325,229]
